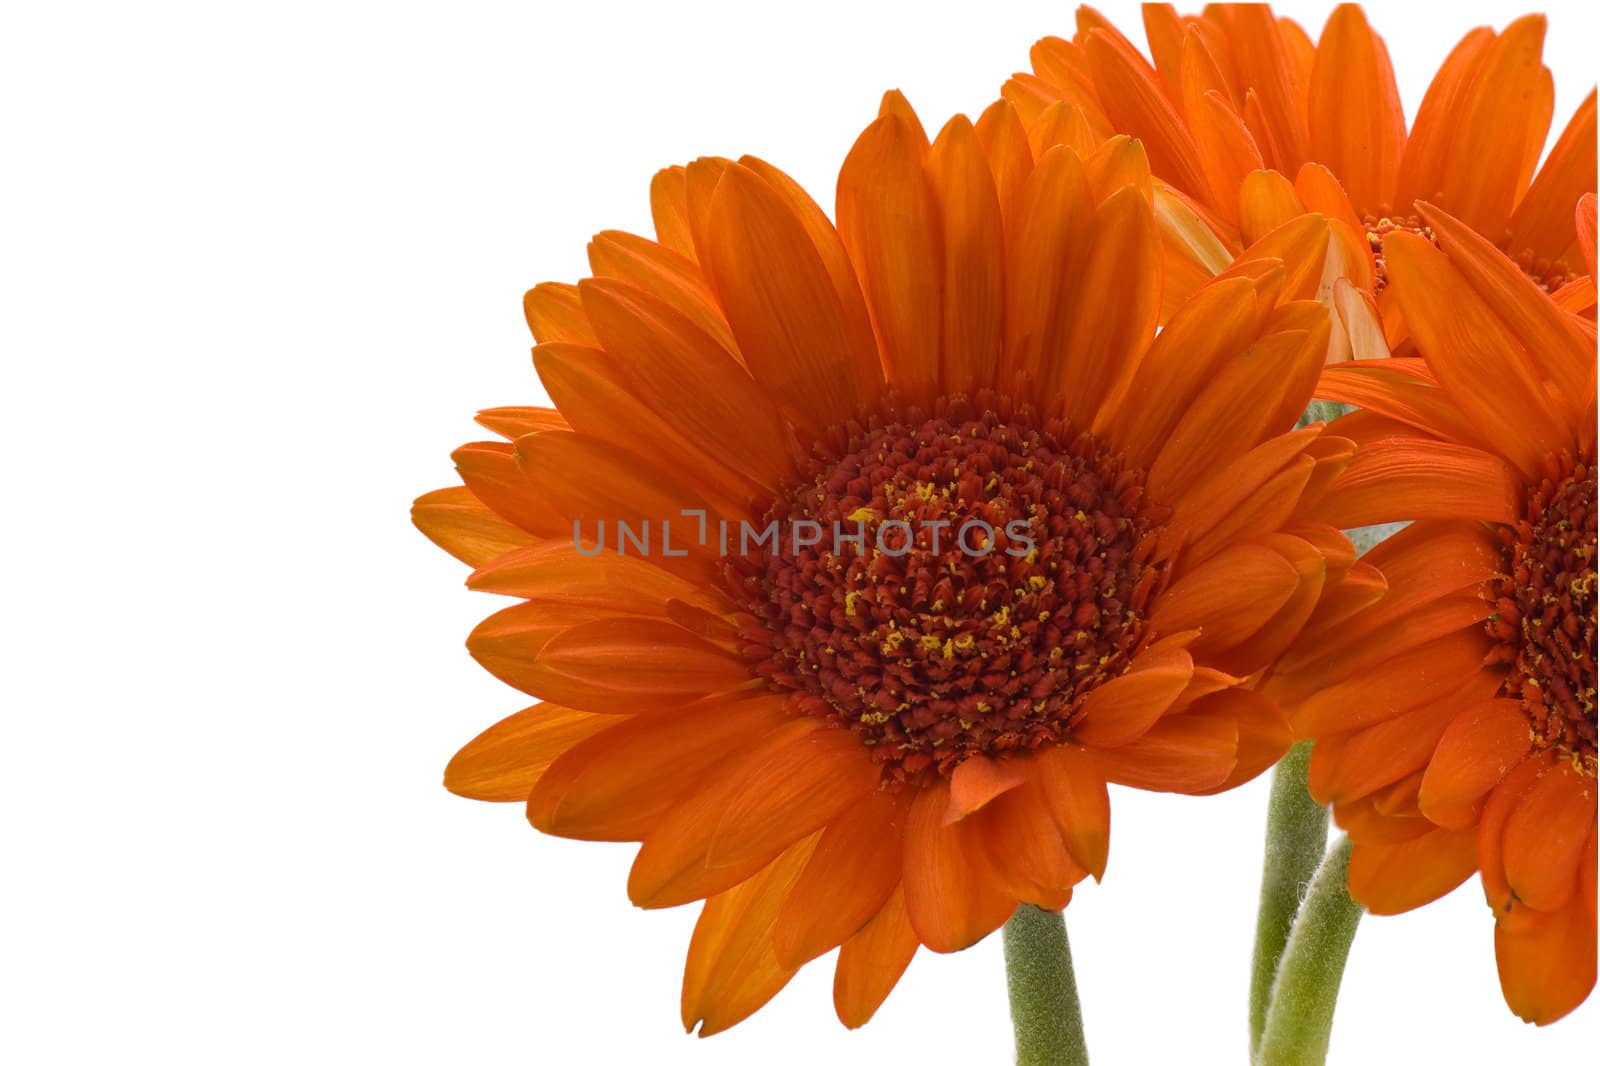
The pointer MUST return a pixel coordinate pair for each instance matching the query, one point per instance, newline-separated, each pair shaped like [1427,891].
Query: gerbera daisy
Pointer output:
[1454,717]
[1237,98]
[876,740]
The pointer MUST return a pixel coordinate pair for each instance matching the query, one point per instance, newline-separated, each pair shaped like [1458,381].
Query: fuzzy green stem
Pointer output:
[1297,835]
[1044,996]
[1300,1017]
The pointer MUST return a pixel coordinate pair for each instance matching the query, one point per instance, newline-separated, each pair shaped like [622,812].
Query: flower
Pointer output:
[873,741]
[1454,715]
[1237,98]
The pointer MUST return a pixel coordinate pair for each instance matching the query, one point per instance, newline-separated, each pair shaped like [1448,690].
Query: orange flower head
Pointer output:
[1452,693]
[1251,122]
[856,559]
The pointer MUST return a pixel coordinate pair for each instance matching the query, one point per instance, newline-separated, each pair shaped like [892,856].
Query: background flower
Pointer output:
[1251,122]
[1455,714]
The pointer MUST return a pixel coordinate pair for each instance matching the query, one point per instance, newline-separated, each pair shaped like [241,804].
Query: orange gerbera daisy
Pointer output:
[1455,715]
[1238,97]
[879,741]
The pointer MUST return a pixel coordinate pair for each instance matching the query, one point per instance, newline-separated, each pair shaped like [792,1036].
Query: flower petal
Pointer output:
[1394,878]
[871,962]
[1547,966]
[765,799]
[953,896]
[1124,708]
[852,873]
[1479,747]
[1545,836]
[732,969]
[505,761]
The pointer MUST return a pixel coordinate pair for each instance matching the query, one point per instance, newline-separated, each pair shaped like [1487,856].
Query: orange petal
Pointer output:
[1242,497]
[600,404]
[1496,120]
[1272,65]
[1542,222]
[1226,150]
[1585,218]
[1029,855]
[458,522]
[1498,808]
[1102,342]
[871,962]
[1545,836]
[1209,328]
[732,969]
[1357,126]
[1380,387]
[505,761]
[1404,681]
[1547,967]
[974,257]
[978,780]
[1267,200]
[825,239]
[617,785]
[626,665]
[1279,630]
[1407,480]
[555,316]
[1073,786]
[1043,264]
[763,800]
[1135,104]
[1477,359]
[1061,123]
[691,382]
[781,301]
[1394,878]
[888,218]
[1118,163]
[1555,343]
[1423,564]
[1427,152]
[589,481]
[666,275]
[1238,408]
[1371,758]
[1181,753]
[1479,747]
[953,896]
[490,471]
[850,877]
[1227,597]
[1263,732]
[513,422]
[556,572]
[1005,142]
[669,210]
[1124,708]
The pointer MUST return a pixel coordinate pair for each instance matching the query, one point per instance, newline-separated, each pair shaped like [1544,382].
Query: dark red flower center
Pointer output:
[992,570]
[1544,620]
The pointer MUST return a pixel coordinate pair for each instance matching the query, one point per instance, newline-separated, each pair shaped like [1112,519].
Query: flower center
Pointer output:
[974,575]
[1548,274]
[1380,226]
[1544,618]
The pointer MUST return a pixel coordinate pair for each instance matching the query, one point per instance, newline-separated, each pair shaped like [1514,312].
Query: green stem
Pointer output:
[1044,997]
[1300,1018]
[1297,835]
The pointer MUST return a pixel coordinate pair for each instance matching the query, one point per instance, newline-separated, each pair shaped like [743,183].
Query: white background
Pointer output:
[260,265]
